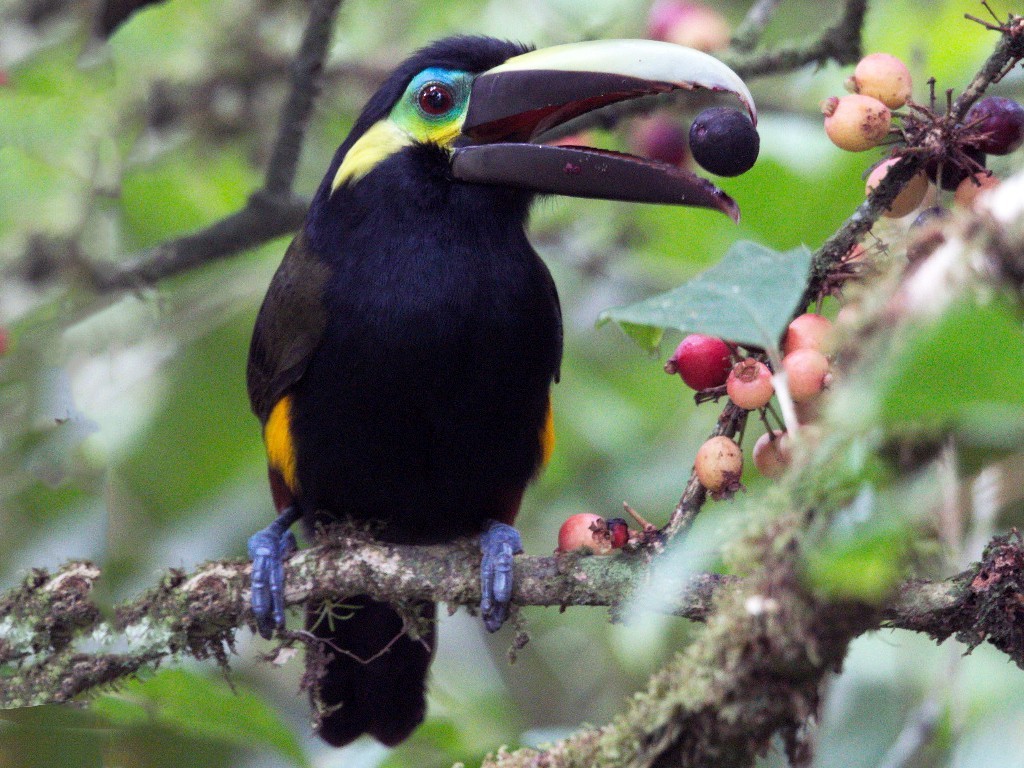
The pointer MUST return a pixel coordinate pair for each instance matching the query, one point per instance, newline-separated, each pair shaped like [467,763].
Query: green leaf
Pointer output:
[960,372]
[202,707]
[749,298]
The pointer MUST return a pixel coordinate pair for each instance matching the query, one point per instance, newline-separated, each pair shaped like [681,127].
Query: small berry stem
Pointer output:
[645,524]
[778,419]
[786,404]
[763,416]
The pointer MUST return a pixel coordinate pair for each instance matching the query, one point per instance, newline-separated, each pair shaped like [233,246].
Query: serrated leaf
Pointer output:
[961,372]
[748,298]
[197,705]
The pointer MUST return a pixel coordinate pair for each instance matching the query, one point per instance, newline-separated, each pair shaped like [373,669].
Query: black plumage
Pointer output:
[417,334]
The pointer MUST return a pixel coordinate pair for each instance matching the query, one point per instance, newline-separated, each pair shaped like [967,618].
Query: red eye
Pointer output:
[436,99]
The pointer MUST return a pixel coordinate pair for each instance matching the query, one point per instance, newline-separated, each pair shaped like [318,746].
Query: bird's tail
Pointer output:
[374,680]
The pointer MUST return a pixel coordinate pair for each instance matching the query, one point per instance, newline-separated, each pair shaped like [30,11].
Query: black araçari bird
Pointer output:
[402,360]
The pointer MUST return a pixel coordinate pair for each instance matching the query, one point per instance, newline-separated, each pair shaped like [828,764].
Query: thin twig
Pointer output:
[305,88]
[748,33]
[840,43]
[270,212]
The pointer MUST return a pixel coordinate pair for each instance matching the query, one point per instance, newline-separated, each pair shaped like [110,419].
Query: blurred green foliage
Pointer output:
[125,434]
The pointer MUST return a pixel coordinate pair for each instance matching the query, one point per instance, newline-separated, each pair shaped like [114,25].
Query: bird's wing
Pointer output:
[289,327]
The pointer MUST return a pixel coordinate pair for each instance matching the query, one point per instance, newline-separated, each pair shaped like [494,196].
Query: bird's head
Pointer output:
[487,103]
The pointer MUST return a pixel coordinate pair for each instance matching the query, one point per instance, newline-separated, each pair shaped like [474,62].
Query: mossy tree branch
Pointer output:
[46,622]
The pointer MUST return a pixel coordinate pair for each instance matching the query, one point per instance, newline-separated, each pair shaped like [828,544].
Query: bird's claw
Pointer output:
[268,549]
[498,543]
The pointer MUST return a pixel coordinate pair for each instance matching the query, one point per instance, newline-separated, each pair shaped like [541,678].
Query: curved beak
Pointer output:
[517,101]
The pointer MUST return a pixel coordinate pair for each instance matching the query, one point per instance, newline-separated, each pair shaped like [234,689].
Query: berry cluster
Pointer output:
[954,152]
[714,367]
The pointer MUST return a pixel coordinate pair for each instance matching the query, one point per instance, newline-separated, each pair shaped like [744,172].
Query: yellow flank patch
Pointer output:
[382,140]
[547,436]
[277,435]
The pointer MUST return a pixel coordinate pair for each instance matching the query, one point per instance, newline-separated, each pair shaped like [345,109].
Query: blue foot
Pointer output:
[497,544]
[268,549]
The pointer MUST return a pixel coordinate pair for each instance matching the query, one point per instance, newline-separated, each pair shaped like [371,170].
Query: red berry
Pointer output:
[855,122]
[884,77]
[618,532]
[5,341]
[808,331]
[805,373]
[688,23]
[772,453]
[718,465]
[724,141]
[584,530]
[750,384]
[661,138]
[702,361]
[1001,121]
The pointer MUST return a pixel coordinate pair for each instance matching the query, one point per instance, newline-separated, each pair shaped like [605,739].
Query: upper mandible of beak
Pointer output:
[535,91]
[514,103]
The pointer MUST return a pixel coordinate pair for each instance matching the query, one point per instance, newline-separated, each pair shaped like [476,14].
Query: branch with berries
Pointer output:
[49,616]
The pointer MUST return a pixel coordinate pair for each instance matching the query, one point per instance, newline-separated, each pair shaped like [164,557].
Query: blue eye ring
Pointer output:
[435,99]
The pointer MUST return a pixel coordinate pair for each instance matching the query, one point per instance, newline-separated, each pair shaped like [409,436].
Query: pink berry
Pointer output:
[970,188]
[702,361]
[806,370]
[855,122]
[1001,122]
[908,199]
[884,77]
[772,453]
[808,331]
[692,24]
[750,384]
[584,530]
[718,465]
[661,138]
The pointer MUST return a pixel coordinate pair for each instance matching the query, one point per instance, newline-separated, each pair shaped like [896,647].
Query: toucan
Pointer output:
[402,361]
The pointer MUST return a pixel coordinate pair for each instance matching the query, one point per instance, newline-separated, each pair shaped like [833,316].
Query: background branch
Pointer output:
[270,212]
[273,211]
